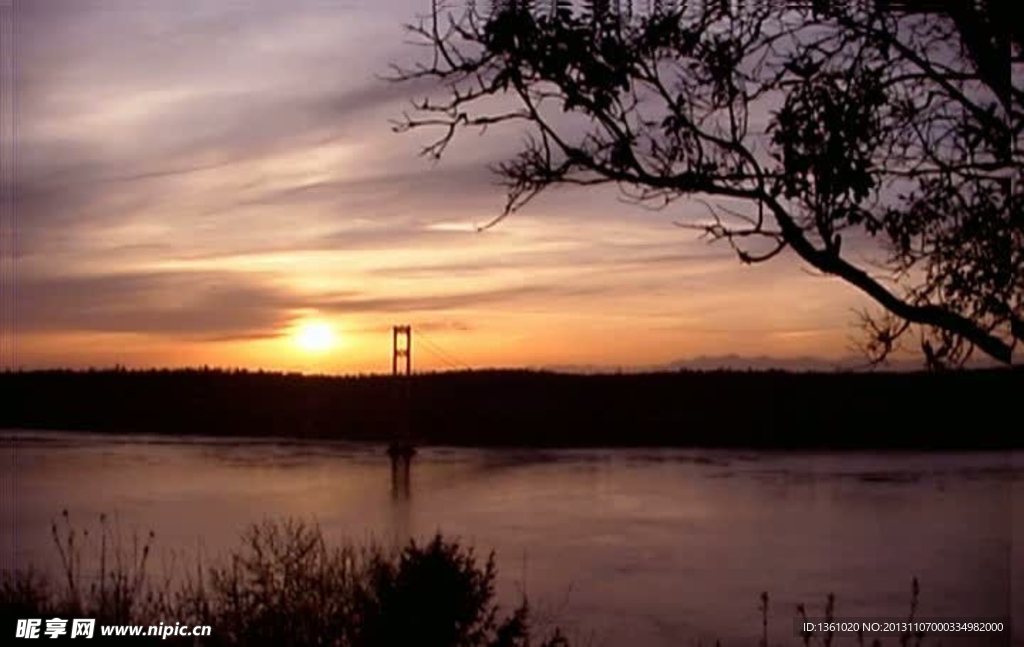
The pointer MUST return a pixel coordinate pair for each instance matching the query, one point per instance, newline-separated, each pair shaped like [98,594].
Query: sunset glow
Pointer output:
[315,336]
[179,205]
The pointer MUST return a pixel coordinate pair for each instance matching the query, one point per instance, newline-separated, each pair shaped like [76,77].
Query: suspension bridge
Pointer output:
[401,355]
[402,447]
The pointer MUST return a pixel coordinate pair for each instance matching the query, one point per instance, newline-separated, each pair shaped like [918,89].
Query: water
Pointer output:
[645,547]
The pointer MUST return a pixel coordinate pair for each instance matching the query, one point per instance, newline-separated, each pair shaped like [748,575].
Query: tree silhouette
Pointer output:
[896,126]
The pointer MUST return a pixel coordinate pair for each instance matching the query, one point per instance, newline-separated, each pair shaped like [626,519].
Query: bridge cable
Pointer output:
[439,357]
[438,352]
[448,358]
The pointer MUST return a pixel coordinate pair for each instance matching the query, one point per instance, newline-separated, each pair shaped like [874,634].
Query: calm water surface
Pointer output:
[645,547]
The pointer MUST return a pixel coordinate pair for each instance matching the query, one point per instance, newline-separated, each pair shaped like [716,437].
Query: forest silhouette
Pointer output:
[762,409]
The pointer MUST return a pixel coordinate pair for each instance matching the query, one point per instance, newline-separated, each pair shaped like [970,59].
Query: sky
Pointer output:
[218,183]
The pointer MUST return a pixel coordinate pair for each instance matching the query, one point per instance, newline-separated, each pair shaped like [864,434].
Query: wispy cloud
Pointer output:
[209,172]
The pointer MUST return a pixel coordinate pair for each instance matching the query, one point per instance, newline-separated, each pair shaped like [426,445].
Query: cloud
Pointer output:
[209,171]
[346,304]
[184,305]
[128,108]
[583,259]
[224,306]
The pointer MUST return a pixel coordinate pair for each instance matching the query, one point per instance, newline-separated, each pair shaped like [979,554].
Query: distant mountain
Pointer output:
[734,362]
[727,363]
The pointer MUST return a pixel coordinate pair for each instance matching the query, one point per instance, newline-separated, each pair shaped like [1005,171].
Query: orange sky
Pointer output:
[193,183]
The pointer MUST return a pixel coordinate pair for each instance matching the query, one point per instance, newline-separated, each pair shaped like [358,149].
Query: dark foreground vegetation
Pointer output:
[945,410]
[285,586]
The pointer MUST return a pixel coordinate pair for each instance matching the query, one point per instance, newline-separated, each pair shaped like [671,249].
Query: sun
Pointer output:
[315,336]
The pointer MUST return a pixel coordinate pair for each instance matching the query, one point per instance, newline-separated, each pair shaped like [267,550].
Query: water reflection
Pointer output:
[401,455]
[649,547]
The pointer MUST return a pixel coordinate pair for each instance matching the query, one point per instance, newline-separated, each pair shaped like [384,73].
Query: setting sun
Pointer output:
[315,336]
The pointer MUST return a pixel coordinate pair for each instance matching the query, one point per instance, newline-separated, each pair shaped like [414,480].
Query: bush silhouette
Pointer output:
[435,595]
[285,586]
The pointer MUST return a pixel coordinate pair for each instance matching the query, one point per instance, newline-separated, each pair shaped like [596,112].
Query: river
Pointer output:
[639,547]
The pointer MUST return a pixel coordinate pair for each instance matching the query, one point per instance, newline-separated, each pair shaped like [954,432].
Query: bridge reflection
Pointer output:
[401,454]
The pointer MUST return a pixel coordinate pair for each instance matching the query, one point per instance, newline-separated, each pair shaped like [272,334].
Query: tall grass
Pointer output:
[285,586]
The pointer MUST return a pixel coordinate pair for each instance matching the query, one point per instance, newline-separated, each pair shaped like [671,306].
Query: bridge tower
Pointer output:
[401,344]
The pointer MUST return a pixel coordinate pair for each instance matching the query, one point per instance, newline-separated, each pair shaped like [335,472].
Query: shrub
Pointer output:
[285,586]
